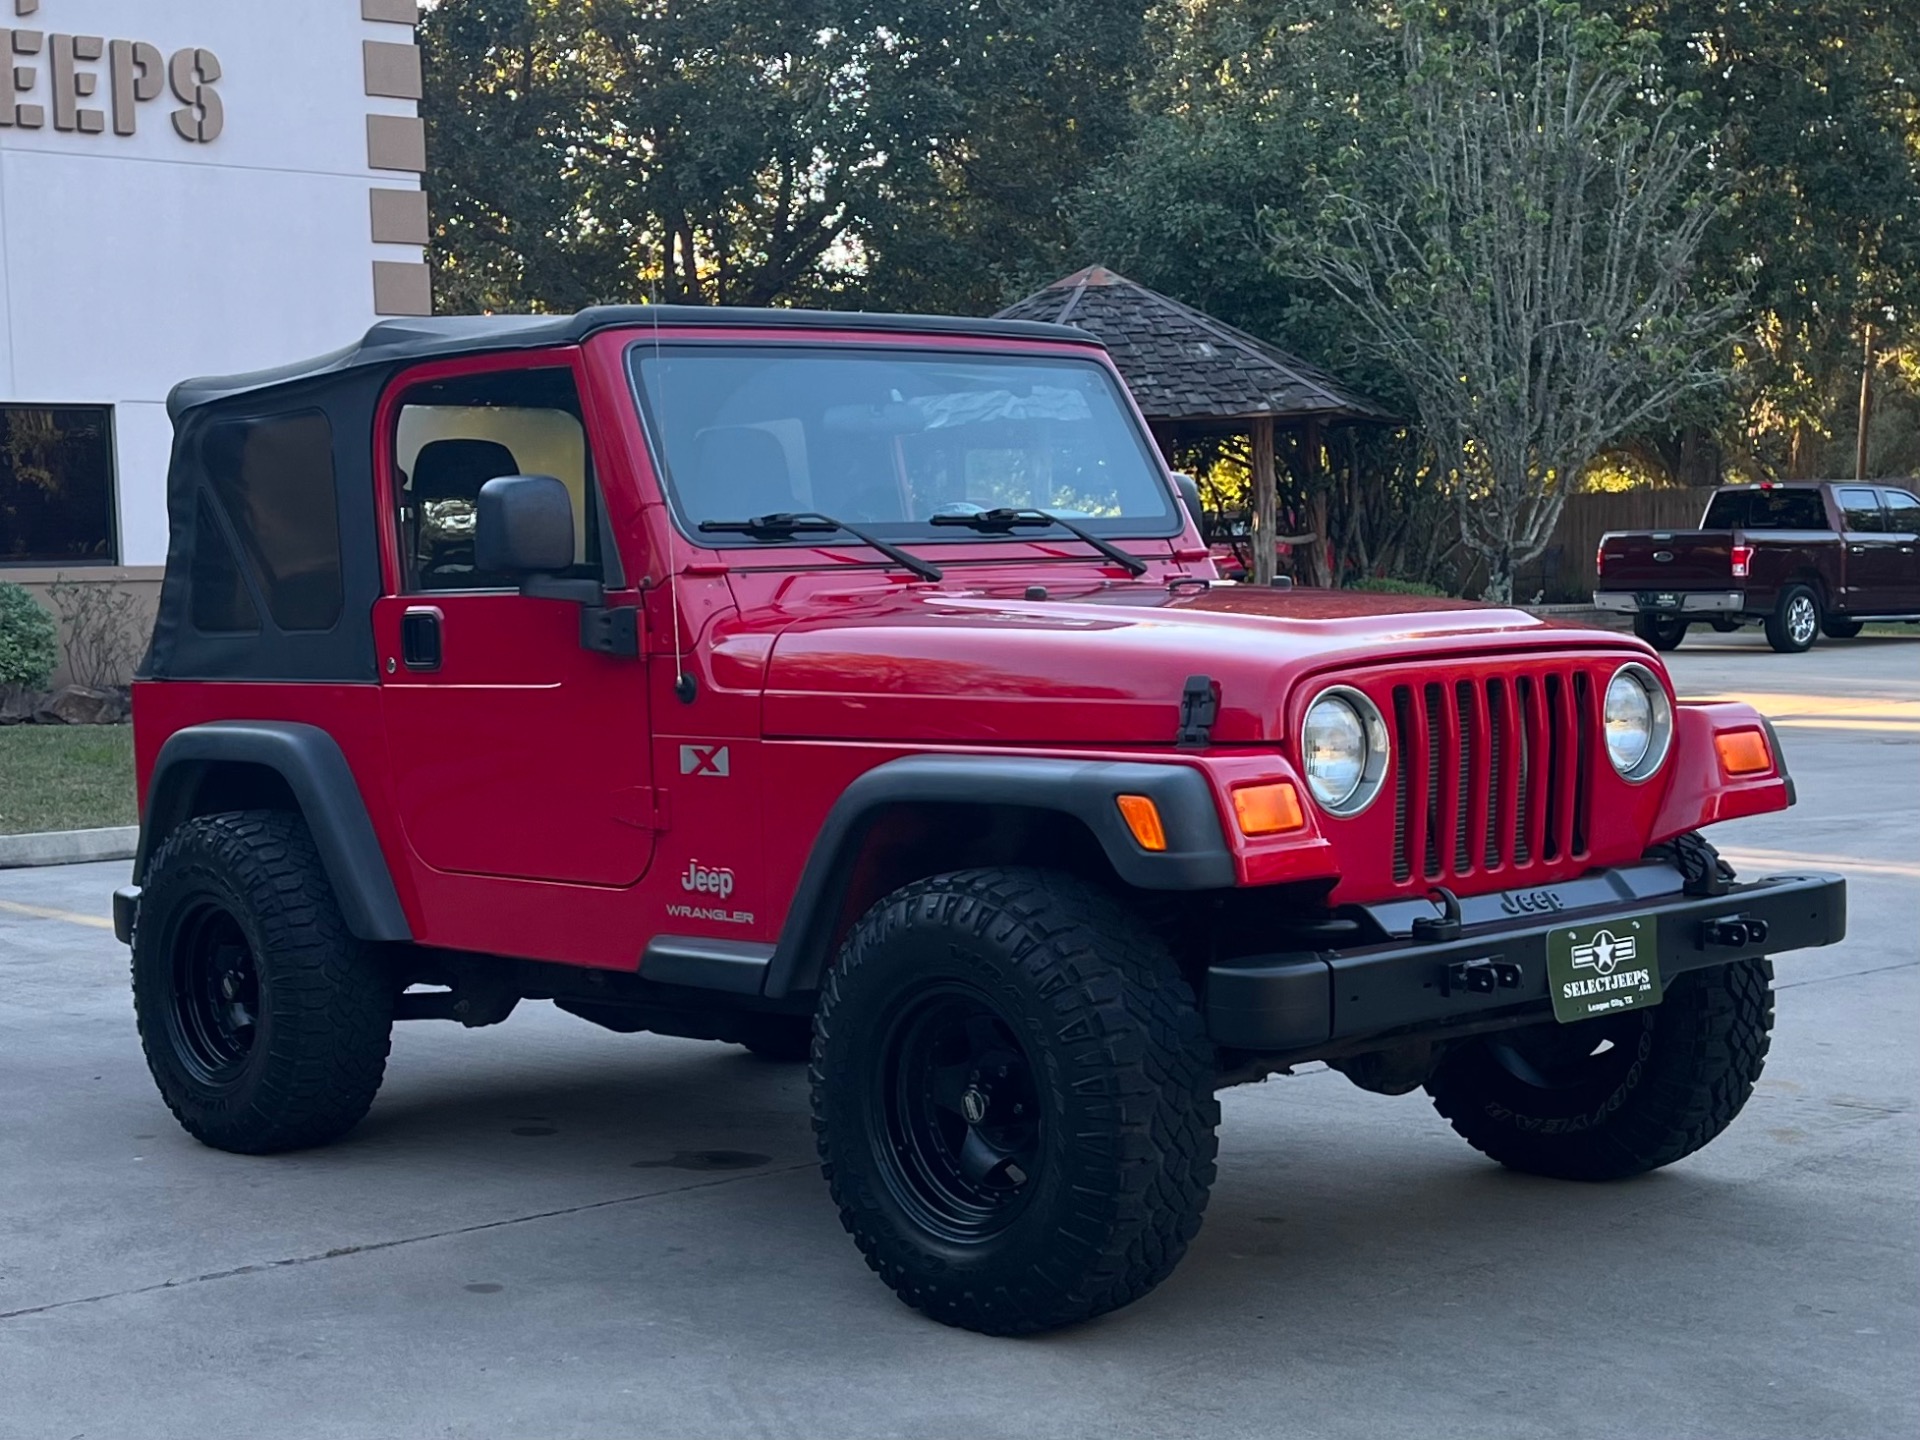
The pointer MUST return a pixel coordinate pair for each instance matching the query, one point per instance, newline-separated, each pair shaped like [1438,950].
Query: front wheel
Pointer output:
[1795,620]
[1619,1095]
[1013,1097]
[1662,632]
[265,1023]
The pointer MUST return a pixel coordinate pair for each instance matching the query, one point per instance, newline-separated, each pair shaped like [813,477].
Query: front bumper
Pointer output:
[1686,602]
[1304,1005]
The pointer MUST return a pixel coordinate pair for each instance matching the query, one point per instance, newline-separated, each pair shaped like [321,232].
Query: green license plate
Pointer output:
[1599,969]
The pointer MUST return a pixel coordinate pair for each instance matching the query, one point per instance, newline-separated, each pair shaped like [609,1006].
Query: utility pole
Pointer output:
[1866,409]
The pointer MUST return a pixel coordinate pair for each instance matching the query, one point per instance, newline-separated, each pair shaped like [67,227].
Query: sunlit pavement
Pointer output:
[548,1230]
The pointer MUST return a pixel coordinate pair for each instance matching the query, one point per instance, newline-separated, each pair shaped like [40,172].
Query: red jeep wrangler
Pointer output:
[858,687]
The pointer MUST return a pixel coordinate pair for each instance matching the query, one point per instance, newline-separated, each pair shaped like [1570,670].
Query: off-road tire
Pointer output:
[780,1039]
[1683,1076]
[1662,632]
[1841,629]
[1123,1070]
[323,1002]
[1795,622]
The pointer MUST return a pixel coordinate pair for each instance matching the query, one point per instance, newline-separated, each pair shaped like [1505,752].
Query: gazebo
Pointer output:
[1193,376]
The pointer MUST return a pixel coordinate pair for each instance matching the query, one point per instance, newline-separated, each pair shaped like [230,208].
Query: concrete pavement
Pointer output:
[546,1229]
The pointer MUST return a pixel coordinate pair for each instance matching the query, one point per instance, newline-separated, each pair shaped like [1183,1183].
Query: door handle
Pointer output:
[420,637]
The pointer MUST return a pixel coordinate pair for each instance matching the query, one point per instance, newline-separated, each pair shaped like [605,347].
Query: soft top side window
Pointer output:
[454,435]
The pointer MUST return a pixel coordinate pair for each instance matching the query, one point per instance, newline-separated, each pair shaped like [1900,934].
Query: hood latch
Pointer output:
[1199,707]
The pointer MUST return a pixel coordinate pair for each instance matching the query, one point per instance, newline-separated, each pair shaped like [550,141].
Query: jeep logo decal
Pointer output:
[704,760]
[704,881]
[1530,902]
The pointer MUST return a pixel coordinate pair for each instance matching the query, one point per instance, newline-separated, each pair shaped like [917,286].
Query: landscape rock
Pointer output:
[80,705]
[18,704]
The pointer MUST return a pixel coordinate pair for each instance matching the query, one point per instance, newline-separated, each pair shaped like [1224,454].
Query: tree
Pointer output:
[1812,112]
[912,152]
[1527,269]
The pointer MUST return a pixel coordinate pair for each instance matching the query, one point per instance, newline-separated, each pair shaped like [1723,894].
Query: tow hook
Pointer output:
[1735,932]
[1438,929]
[1479,977]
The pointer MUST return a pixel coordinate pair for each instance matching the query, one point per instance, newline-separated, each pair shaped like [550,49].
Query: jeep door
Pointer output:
[515,751]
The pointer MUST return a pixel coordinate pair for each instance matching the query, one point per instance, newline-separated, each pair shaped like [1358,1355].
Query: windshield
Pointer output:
[888,439]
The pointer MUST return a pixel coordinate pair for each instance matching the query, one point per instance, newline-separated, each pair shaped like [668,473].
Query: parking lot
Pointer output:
[547,1229]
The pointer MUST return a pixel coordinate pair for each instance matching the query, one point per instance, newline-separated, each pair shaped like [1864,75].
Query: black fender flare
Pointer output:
[315,770]
[1196,857]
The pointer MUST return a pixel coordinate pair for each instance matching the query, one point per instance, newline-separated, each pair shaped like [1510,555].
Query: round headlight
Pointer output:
[1638,722]
[1344,748]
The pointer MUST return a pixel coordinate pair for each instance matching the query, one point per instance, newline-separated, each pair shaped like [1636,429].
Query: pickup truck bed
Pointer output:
[1801,559]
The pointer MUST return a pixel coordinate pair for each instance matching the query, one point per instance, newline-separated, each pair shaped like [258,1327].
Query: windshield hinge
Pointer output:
[1199,706]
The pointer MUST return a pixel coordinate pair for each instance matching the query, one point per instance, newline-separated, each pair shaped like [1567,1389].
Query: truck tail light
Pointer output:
[1600,558]
[1743,752]
[1742,561]
[1270,809]
[1143,820]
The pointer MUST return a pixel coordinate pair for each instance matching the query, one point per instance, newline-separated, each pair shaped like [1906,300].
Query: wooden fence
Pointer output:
[1565,571]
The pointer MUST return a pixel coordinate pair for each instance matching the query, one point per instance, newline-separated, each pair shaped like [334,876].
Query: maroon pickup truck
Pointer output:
[1801,559]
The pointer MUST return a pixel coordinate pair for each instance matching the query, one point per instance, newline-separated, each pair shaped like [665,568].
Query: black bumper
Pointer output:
[1304,1004]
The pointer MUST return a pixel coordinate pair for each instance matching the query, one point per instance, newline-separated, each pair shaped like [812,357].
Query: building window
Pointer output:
[56,485]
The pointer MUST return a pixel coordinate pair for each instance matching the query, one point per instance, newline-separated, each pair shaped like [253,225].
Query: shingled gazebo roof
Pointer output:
[1185,366]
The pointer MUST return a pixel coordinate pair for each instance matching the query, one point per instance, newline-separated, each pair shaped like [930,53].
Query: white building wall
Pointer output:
[128,262]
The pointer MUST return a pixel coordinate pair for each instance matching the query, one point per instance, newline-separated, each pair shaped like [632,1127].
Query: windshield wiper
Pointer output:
[785,524]
[1004,520]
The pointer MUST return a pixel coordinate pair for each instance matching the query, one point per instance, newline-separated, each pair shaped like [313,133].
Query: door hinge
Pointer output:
[610,629]
[641,807]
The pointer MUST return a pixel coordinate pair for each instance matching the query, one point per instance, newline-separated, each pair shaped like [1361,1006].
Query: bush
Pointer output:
[1387,585]
[29,648]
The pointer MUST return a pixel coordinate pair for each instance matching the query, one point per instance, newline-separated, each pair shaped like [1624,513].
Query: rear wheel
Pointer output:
[265,1023]
[1663,632]
[1013,1095]
[1841,629]
[1795,620]
[1619,1095]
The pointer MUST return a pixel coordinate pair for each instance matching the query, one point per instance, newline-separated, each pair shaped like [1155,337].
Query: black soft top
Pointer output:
[395,342]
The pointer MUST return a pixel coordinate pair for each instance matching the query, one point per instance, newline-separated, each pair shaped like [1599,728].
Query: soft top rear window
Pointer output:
[1773,509]
[889,438]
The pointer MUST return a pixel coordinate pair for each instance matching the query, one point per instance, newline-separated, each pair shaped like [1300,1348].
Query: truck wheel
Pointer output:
[1841,629]
[1620,1095]
[265,1023]
[1795,621]
[1662,632]
[1013,1098]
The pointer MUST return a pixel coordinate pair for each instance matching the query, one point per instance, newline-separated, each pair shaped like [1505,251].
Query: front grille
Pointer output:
[1491,774]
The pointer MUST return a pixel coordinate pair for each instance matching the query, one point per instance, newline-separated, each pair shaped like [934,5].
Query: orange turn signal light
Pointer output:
[1744,752]
[1143,819]
[1272,808]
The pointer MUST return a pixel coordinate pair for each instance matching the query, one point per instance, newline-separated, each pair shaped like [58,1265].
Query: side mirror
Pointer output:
[523,525]
[1189,489]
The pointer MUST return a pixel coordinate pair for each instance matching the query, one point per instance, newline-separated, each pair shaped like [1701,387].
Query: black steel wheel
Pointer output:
[951,1096]
[1795,622]
[1013,1097]
[1662,632]
[1619,1095]
[215,995]
[265,1023]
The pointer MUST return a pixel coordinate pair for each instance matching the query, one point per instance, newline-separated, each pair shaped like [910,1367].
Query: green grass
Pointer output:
[65,777]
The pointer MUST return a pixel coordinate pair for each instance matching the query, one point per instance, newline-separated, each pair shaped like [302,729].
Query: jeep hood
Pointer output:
[1095,666]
